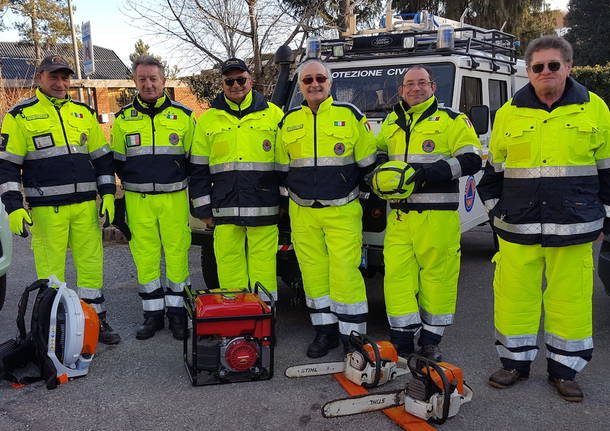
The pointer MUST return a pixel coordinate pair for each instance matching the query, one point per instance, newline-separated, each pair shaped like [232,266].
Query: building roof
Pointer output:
[17,61]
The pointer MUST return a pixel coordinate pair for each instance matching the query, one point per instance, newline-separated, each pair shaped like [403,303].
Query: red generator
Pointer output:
[232,337]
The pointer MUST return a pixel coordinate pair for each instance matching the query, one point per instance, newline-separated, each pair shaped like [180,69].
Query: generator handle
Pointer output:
[258,285]
[416,363]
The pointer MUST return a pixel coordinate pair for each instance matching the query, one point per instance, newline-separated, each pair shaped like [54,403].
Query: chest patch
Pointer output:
[171,117]
[36,117]
[267,145]
[295,127]
[339,148]
[77,115]
[340,123]
[132,140]
[174,138]
[43,141]
[428,145]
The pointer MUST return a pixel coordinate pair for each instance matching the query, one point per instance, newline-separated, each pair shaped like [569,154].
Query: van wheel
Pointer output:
[208,267]
[2,290]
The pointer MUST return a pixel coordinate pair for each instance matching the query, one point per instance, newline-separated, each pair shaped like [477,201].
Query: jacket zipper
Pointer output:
[152,124]
[63,129]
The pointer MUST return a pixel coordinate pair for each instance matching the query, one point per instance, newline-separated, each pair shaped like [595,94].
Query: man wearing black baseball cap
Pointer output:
[54,147]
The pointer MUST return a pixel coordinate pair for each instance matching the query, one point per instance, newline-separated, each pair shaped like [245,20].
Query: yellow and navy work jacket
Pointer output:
[233,172]
[548,177]
[151,145]
[437,139]
[56,148]
[324,155]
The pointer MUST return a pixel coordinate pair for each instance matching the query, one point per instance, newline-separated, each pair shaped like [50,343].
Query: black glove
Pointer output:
[119,218]
[419,178]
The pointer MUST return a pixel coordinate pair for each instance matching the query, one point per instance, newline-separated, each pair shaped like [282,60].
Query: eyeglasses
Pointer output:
[240,81]
[421,84]
[319,79]
[553,66]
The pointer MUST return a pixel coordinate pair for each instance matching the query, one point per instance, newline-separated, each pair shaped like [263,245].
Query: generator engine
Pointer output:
[232,337]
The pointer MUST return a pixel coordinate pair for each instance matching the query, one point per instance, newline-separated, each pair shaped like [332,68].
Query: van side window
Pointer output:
[471,94]
[498,95]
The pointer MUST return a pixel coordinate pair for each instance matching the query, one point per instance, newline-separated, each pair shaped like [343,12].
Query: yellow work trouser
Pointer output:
[422,264]
[76,225]
[245,255]
[155,221]
[567,301]
[328,245]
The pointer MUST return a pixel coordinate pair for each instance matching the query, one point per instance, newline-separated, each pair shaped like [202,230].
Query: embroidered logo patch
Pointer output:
[428,145]
[83,138]
[296,127]
[132,140]
[134,113]
[36,117]
[339,148]
[43,141]
[267,145]
[174,138]
[470,193]
[77,114]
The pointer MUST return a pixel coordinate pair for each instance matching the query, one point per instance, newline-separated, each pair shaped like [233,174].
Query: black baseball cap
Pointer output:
[53,62]
[233,63]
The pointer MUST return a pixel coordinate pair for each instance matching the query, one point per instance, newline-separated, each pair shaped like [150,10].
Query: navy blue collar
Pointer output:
[574,94]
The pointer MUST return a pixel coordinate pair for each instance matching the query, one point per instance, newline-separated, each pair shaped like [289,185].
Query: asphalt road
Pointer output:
[143,385]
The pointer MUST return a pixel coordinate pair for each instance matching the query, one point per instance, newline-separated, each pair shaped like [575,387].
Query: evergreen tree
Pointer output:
[588,21]
[141,48]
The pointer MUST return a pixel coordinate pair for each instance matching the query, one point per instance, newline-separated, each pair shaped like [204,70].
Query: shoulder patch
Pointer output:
[290,111]
[79,103]
[357,113]
[180,106]
[16,110]
[452,114]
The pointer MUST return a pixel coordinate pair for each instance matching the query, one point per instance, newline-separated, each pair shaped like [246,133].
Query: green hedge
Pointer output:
[595,78]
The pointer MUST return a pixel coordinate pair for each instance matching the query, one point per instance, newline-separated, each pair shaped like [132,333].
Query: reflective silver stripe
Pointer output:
[153,304]
[551,171]
[178,287]
[414,330]
[323,318]
[98,308]
[173,301]
[10,186]
[280,167]
[56,151]
[516,340]
[607,209]
[88,292]
[283,191]
[528,355]
[367,161]
[11,157]
[242,166]
[201,201]
[456,168]
[105,179]
[438,330]
[119,156]
[101,151]
[333,202]
[434,198]
[318,303]
[435,319]
[59,190]
[425,158]
[603,163]
[200,160]
[568,345]
[404,320]
[346,328]
[144,151]
[490,204]
[155,187]
[150,287]
[351,309]
[245,211]
[549,228]
[574,362]
[498,167]
[264,296]
[468,149]
[322,161]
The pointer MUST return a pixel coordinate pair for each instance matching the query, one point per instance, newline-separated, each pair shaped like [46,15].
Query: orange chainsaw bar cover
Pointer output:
[398,414]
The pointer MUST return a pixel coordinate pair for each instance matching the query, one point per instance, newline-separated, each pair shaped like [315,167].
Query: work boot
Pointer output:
[151,325]
[107,334]
[569,390]
[348,347]
[403,342]
[503,378]
[177,324]
[322,344]
[431,351]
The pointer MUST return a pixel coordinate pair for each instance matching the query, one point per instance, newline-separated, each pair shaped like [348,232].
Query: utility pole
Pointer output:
[75,48]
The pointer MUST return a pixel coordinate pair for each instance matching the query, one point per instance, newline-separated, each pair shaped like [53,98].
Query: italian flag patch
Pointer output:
[367,126]
[340,123]
[468,123]
[78,115]
[132,140]
[171,117]
[434,119]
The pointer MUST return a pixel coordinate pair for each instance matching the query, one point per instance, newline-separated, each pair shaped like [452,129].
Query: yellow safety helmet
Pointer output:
[389,180]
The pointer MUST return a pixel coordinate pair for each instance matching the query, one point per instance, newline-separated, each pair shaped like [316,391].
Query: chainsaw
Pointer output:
[435,393]
[371,364]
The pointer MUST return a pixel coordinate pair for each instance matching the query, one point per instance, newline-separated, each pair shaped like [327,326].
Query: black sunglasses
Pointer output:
[553,66]
[240,81]
[319,79]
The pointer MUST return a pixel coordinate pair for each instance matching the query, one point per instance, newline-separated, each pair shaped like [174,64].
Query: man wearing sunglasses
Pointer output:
[547,188]
[325,147]
[422,241]
[234,184]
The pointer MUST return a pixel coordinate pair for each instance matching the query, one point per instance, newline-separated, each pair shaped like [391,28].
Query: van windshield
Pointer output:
[374,90]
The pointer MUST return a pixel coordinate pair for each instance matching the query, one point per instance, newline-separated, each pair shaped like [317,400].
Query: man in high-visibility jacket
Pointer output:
[234,182]
[422,242]
[55,148]
[547,186]
[151,139]
[325,147]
